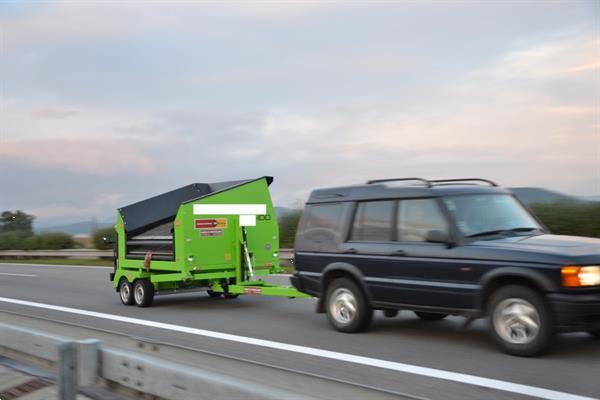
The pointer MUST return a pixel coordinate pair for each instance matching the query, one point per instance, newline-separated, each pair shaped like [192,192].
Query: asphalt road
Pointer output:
[572,367]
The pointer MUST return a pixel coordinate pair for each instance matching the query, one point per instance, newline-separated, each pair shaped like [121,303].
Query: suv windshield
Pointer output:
[481,215]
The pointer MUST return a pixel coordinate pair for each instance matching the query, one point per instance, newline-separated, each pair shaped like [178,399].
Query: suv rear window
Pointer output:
[323,221]
[373,221]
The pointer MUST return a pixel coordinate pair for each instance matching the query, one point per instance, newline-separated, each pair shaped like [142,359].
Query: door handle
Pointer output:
[350,251]
[398,253]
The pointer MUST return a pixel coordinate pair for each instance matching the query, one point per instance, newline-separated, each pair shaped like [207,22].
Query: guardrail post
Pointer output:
[67,368]
[88,361]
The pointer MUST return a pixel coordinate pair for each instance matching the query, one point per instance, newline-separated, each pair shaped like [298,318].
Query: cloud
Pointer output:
[61,23]
[571,110]
[551,58]
[53,113]
[92,157]
[590,66]
[81,212]
[115,103]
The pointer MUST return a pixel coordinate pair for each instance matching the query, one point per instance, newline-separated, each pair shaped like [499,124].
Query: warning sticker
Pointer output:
[252,290]
[211,223]
[211,232]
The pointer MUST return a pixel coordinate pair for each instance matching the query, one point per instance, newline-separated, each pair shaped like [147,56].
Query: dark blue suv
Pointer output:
[461,247]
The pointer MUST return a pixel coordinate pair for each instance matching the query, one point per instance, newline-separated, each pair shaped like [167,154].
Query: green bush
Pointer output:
[54,241]
[577,219]
[43,241]
[31,243]
[98,238]
[12,240]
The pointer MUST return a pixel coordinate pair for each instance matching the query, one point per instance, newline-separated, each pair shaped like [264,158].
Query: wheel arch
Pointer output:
[338,270]
[500,277]
[118,282]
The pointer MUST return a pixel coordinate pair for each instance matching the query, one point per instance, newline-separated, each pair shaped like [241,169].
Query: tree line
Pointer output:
[16,228]
[16,233]
[570,218]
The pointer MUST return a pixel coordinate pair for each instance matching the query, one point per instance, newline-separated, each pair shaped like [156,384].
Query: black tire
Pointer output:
[529,330]
[430,316]
[341,293]
[230,295]
[143,293]
[125,292]
[213,294]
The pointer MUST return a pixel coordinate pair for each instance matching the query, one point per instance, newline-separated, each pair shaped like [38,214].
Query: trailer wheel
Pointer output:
[213,294]
[125,292]
[143,293]
[347,308]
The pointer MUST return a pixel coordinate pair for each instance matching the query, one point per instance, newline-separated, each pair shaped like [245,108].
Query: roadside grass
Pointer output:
[59,261]
[287,269]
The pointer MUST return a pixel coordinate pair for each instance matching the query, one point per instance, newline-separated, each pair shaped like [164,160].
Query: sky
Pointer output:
[107,103]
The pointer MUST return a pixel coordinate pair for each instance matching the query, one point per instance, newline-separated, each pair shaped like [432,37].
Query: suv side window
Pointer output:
[323,221]
[373,221]
[417,217]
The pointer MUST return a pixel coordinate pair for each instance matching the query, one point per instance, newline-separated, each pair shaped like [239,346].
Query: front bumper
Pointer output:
[576,312]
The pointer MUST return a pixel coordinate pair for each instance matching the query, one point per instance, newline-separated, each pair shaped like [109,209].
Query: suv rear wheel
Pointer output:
[520,321]
[347,307]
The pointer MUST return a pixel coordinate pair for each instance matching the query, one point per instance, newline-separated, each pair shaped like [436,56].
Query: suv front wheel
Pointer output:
[520,321]
[347,307]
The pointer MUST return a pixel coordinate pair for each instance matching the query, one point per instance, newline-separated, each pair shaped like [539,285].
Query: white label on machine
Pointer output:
[230,209]
[247,220]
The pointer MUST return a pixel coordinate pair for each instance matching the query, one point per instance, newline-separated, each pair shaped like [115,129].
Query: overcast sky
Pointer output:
[107,103]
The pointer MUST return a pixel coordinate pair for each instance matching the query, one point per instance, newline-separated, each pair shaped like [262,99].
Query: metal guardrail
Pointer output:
[284,254]
[67,253]
[82,363]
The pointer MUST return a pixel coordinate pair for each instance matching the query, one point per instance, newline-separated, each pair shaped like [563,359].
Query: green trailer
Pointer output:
[217,237]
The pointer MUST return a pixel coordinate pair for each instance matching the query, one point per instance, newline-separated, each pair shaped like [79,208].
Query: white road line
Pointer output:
[6,273]
[54,265]
[495,384]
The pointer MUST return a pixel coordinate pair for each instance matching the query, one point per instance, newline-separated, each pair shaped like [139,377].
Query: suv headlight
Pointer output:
[575,276]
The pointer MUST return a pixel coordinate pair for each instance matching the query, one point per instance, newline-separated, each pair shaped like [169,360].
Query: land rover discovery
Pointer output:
[460,247]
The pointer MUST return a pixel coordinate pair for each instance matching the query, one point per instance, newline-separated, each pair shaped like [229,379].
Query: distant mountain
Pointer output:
[530,195]
[75,228]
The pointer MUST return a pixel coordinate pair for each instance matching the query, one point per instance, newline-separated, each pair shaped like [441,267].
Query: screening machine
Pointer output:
[219,237]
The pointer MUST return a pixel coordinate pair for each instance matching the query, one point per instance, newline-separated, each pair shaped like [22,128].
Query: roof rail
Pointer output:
[424,181]
[451,181]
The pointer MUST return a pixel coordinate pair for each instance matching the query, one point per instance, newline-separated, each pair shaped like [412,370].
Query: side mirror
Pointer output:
[437,236]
